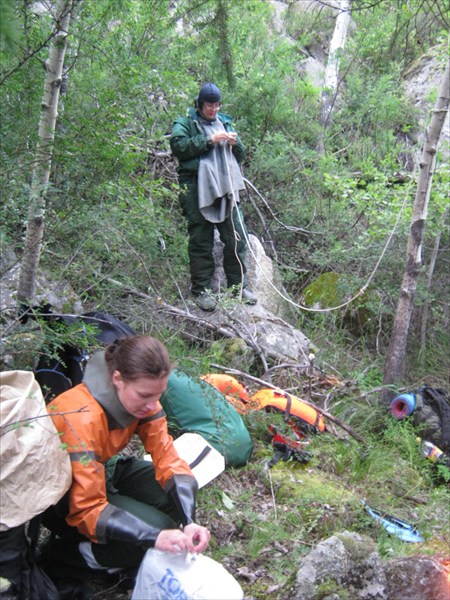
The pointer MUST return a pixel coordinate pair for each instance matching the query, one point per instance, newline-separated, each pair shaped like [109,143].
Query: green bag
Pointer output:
[193,405]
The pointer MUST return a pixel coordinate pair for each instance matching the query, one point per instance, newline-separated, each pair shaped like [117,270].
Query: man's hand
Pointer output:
[224,136]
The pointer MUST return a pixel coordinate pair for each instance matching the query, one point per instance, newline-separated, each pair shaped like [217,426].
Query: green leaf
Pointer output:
[226,500]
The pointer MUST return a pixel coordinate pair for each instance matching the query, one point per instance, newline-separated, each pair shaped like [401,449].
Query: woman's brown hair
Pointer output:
[138,356]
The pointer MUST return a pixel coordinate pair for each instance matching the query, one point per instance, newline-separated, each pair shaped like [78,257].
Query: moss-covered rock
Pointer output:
[331,290]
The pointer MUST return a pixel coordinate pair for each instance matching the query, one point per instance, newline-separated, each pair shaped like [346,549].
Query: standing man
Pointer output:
[209,152]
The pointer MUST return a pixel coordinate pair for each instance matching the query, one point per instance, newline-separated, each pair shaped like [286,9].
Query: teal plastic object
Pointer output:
[394,526]
[195,406]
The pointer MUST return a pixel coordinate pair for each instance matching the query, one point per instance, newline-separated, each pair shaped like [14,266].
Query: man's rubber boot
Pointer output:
[249,297]
[205,301]
[63,563]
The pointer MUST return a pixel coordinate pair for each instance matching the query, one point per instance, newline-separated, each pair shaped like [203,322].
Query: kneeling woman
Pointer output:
[115,513]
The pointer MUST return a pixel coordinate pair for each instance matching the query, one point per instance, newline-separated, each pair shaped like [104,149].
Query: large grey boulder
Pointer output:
[346,565]
[266,324]
[417,578]
[263,276]
[59,294]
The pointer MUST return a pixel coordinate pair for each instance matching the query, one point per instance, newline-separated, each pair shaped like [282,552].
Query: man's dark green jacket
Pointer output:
[189,142]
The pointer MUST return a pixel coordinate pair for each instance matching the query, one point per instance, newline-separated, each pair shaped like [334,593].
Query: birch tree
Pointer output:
[44,152]
[331,76]
[397,347]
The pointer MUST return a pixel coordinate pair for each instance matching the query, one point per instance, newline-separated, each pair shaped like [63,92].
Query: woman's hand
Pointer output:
[174,540]
[232,138]
[198,535]
[224,136]
[193,538]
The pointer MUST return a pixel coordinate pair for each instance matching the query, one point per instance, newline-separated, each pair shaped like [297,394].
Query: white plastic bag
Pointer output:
[166,576]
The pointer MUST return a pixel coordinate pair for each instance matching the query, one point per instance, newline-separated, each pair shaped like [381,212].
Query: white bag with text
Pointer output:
[166,576]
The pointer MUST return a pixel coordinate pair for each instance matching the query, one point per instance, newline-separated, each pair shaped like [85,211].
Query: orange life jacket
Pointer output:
[292,407]
[235,392]
[268,399]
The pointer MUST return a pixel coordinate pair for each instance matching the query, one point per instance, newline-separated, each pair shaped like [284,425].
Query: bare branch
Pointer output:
[12,426]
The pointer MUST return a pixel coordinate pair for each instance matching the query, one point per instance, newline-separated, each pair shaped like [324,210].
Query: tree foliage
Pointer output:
[132,66]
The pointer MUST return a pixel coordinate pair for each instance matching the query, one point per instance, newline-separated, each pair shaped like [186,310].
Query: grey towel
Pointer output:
[219,180]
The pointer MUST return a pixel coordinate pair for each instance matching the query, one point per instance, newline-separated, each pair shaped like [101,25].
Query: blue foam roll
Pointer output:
[403,405]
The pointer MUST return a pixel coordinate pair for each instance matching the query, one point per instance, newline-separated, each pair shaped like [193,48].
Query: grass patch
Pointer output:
[265,520]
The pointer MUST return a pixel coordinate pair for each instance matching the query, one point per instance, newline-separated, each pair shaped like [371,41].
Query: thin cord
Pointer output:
[269,281]
[357,295]
[236,235]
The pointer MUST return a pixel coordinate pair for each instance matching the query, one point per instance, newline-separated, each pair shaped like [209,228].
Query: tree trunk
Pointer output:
[331,77]
[397,347]
[224,41]
[44,152]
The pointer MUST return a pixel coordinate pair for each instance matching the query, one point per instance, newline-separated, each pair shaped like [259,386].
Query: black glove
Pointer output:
[182,490]
[119,525]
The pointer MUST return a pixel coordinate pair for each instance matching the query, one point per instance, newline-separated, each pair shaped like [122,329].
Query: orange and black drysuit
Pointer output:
[95,426]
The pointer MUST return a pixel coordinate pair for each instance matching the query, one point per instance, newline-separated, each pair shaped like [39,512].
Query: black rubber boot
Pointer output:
[63,563]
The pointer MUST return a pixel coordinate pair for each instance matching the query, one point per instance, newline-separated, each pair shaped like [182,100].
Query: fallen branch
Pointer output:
[229,331]
[274,217]
[249,339]
[410,498]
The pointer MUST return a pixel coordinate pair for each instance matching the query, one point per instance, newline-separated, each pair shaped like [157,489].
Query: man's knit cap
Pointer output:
[208,93]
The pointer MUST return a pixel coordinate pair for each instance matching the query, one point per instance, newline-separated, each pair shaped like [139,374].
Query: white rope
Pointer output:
[267,278]
[237,237]
[353,298]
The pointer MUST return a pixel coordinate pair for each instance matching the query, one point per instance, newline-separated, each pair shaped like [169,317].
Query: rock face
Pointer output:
[422,80]
[347,566]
